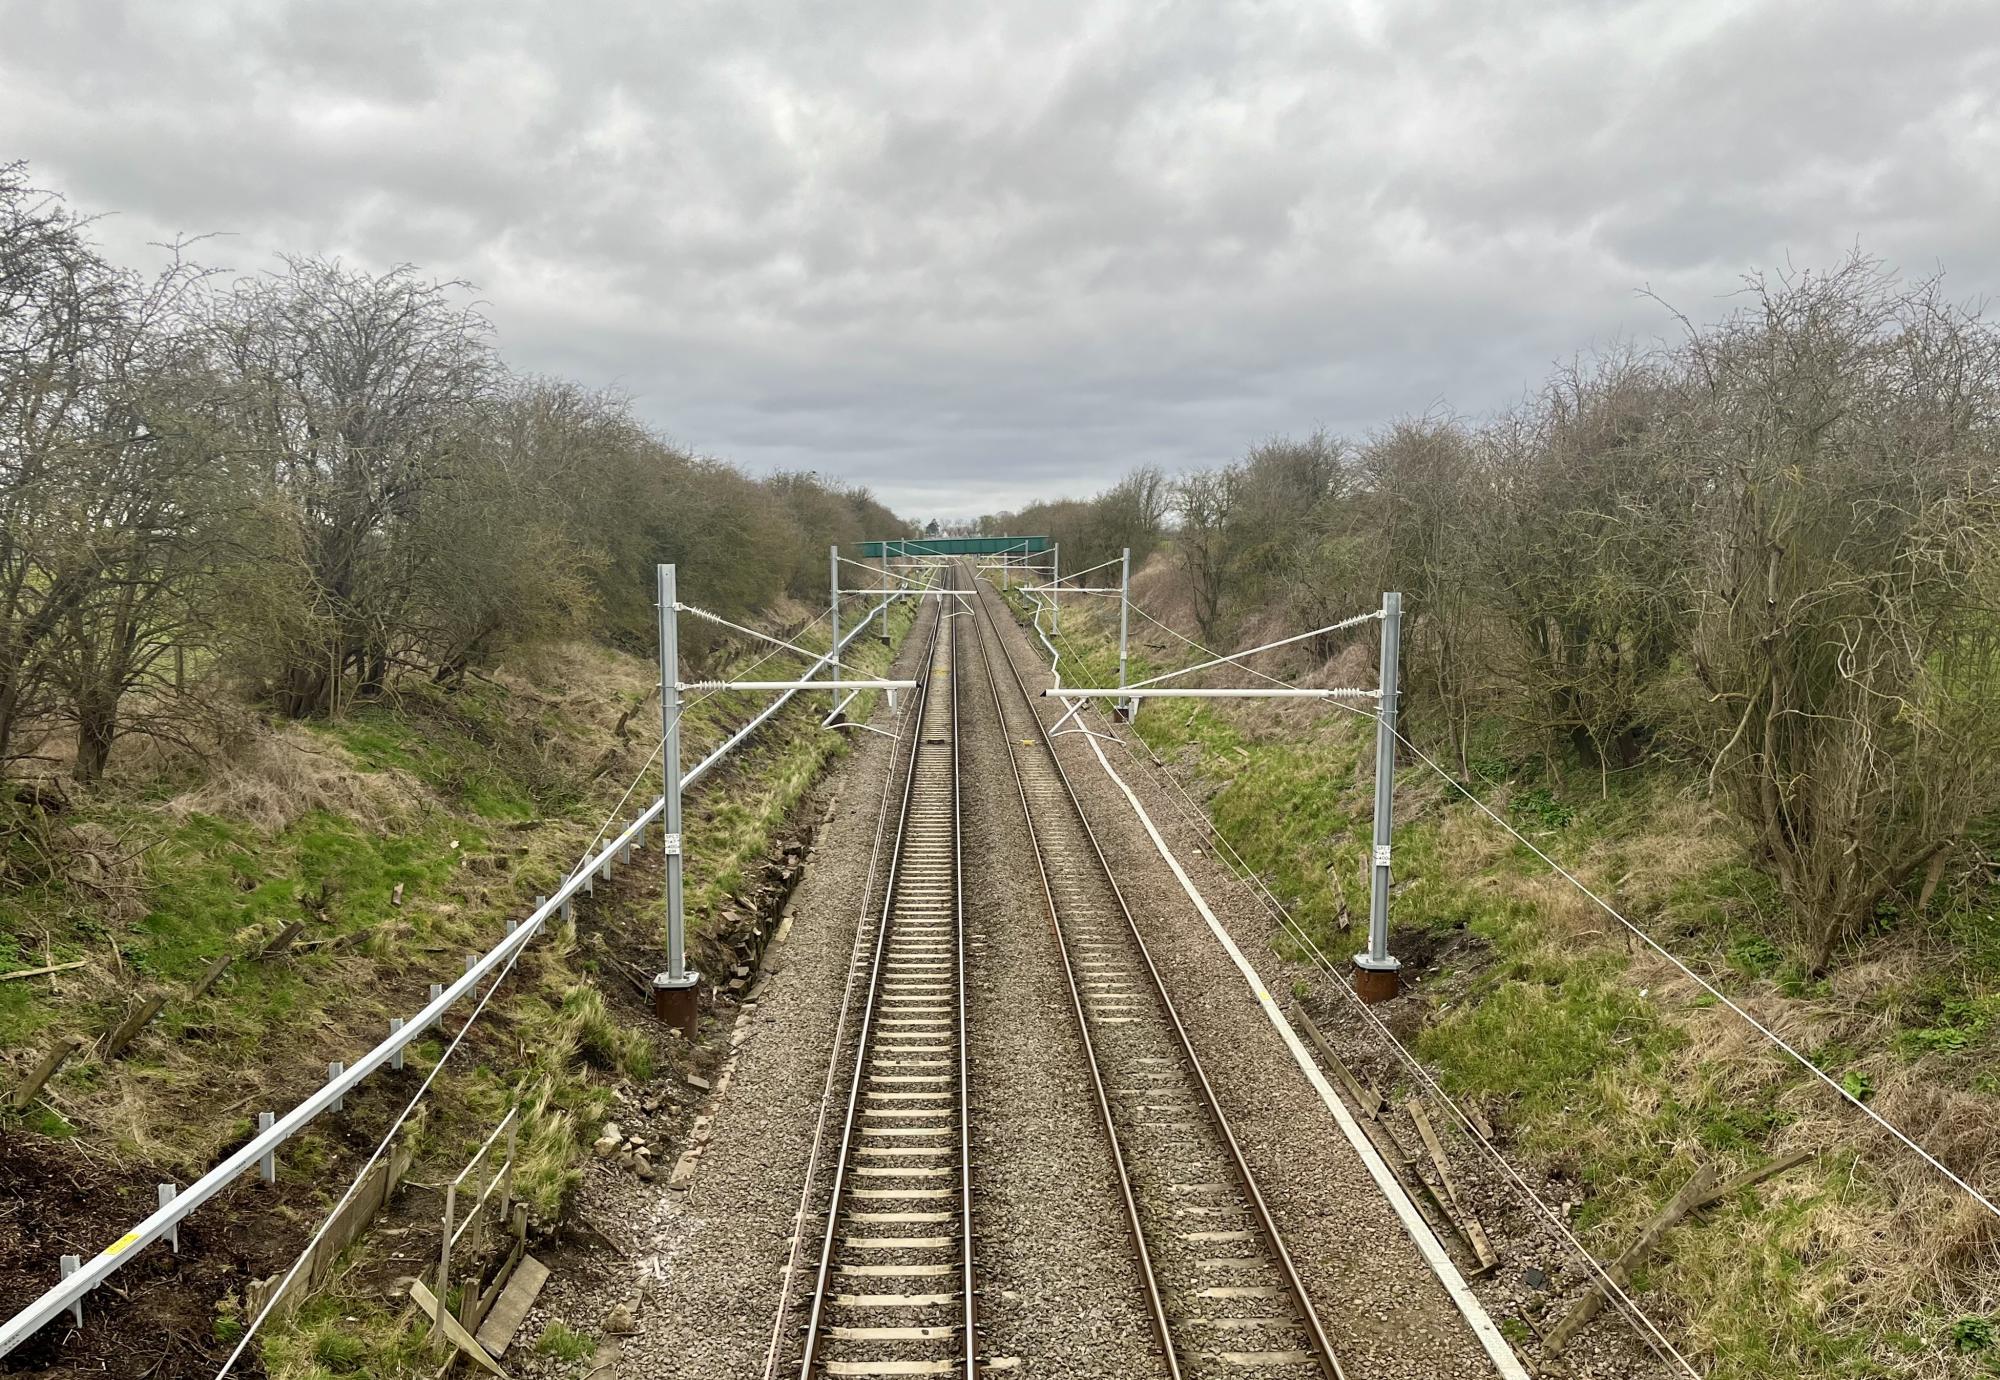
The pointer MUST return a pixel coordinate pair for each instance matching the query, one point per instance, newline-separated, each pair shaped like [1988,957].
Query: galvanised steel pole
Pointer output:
[1377,975]
[833,593]
[1055,588]
[886,595]
[674,991]
[1125,707]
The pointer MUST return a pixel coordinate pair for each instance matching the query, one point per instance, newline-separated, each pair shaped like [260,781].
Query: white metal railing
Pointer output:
[68,1292]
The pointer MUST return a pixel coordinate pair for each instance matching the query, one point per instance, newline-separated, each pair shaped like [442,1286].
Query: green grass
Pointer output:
[468,745]
[565,1343]
[339,1333]
[1589,1075]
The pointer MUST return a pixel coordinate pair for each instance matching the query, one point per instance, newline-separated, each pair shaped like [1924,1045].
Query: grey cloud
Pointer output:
[973,257]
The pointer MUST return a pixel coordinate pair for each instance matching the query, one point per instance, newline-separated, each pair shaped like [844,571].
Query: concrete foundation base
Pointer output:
[678,1003]
[1377,982]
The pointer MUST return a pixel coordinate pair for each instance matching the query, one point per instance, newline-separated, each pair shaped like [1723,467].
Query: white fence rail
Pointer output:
[68,1293]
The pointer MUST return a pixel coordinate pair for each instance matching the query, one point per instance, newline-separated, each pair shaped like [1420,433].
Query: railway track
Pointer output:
[1221,1287]
[894,1295]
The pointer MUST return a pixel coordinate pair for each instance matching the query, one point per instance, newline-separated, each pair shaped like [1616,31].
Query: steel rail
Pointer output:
[969,1310]
[1156,1305]
[94,1271]
[815,1321]
[890,774]
[1309,1316]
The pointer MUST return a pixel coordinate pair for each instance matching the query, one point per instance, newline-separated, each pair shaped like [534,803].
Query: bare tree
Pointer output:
[351,389]
[149,491]
[1425,478]
[1204,503]
[1845,632]
[1587,538]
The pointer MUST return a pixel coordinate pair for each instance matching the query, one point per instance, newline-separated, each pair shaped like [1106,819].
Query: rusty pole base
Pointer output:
[677,1003]
[1374,981]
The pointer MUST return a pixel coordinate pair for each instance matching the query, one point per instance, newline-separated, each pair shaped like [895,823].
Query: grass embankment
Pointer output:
[350,1328]
[402,837]
[1611,1073]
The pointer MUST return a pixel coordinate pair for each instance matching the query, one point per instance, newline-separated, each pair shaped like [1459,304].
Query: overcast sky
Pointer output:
[974,255]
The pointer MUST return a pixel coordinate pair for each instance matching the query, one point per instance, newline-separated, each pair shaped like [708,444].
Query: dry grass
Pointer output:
[277,775]
[1859,1263]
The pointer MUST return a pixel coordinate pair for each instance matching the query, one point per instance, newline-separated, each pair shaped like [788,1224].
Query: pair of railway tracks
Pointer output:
[896,1286]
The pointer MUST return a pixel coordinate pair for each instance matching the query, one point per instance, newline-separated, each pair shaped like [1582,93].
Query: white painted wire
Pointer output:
[1138,609]
[1088,570]
[1901,1136]
[686,705]
[718,619]
[583,860]
[1234,657]
[1238,868]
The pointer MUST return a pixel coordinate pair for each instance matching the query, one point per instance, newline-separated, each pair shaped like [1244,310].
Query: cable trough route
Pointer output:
[1224,1294]
[894,1293]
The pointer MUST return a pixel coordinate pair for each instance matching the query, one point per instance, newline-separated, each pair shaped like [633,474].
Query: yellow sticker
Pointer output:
[128,1239]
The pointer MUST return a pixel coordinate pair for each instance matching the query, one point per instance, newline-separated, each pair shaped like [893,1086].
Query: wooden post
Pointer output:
[1475,1234]
[1699,1192]
[137,1018]
[1370,1103]
[284,940]
[207,979]
[44,1071]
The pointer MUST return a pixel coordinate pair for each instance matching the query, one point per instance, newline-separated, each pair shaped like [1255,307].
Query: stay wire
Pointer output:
[471,1019]
[1772,1037]
[1915,1147]
[660,747]
[1261,894]
[1140,610]
[1240,870]
[1901,1136]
